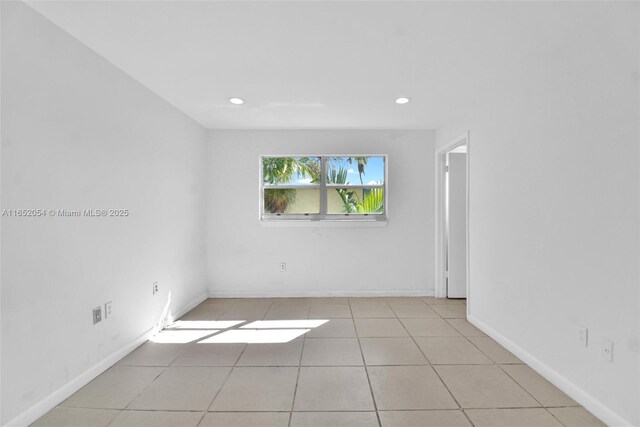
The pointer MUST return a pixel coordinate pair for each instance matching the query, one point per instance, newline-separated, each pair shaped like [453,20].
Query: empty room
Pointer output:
[319,213]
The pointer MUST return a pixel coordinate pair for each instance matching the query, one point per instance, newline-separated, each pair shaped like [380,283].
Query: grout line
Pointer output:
[373,397]
[435,371]
[501,369]
[220,389]
[204,414]
[164,368]
[520,385]
[295,390]
[556,418]
[464,412]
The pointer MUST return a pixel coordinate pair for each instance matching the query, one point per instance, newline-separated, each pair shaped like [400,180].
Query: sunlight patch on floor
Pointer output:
[282,324]
[256,336]
[204,324]
[180,337]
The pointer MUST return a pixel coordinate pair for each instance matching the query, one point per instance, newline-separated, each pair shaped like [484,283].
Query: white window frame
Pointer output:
[323,216]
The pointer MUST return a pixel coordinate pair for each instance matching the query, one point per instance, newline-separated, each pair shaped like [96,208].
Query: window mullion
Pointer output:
[323,187]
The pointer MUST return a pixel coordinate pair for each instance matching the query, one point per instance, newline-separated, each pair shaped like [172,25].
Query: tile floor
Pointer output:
[326,362]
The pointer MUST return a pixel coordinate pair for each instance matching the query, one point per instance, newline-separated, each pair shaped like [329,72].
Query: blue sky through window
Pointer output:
[373,171]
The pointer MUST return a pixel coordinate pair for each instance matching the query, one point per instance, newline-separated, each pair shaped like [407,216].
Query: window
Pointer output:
[323,188]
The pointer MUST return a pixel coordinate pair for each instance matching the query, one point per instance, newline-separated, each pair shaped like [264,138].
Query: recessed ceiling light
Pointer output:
[402,100]
[236,101]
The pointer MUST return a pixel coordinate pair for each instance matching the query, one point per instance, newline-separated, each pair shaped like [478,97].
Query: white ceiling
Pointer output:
[323,64]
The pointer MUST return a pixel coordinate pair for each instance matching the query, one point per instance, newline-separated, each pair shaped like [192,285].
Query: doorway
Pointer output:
[452,219]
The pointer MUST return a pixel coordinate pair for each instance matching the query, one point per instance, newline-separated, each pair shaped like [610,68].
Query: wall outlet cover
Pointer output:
[97,315]
[583,335]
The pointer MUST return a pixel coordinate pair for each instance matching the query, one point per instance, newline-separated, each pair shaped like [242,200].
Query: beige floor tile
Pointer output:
[205,313]
[451,351]
[333,389]
[244,313]
[391,351]
[367,300]
[329,300]
[114,389]
[76,417]
[576,417]
[466,328]
[280,311]
[182,389]
[157,419]
[245,419]
[258,302]
[372,311]
[281,354]
[408,388]
[542,390]
[332,352]
[444,301]
[334,419]
[498,390]
[247,309]
[287,315]
[380,328]
[210,355]
[330,311]
[429,328]
[414,311]
[222,304]
[451,311]
[529,417]
[203,325]
[152,354]
[403,300]
[257,389]
[494,351]
[334,328]
[288,302]
[448,418]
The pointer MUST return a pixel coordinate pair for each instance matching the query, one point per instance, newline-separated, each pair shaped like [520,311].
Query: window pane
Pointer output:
[292,200]
[290,171]
[355,201]
[343,200]
[355,170]
[373,201]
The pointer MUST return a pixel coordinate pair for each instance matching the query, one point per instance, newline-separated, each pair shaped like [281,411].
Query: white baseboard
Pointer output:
[51,401]
[217,293]
[190,306]
[55,398]
[590,403]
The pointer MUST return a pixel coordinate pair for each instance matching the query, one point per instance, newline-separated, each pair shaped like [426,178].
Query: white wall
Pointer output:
[79,133]
[244,256]
[554,207]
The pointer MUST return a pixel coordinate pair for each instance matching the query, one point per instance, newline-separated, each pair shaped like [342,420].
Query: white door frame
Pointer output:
[441,159]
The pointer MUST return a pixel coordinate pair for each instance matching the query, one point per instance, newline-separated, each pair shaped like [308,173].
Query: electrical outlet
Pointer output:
[107,310]
[607,350]
[583,335]
[97,315]
[283,266]
[155,288]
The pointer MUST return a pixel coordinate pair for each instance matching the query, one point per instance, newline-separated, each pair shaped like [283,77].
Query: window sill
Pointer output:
[351,223]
